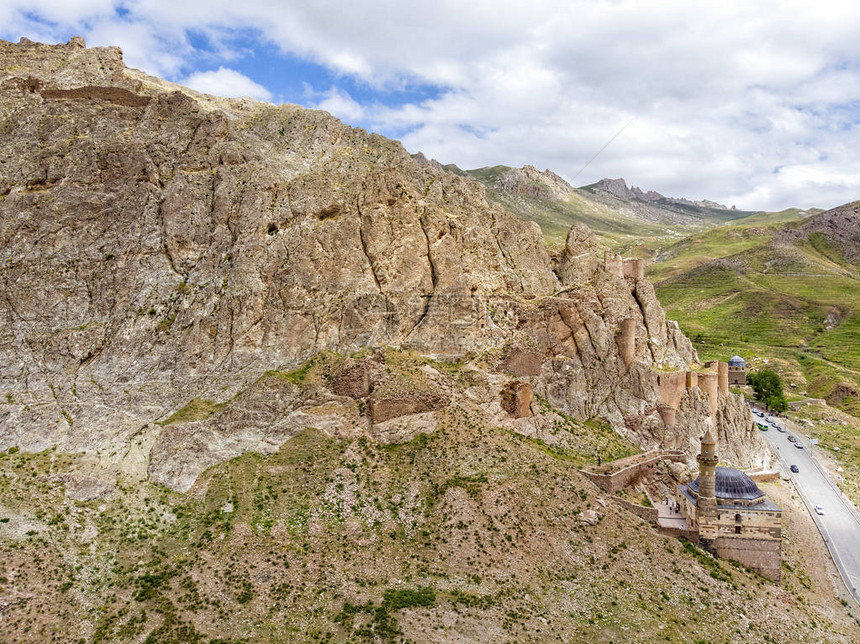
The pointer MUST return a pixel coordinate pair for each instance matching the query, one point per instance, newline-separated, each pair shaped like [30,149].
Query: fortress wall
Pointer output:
[690,535]
[692,379]
[708,384]
[115,95]
[627,341]
[613,263]
[672,387]
[762,555]
[667,414]
[641,511]
[763,476]
[627,475]
[634,268]
[723,377]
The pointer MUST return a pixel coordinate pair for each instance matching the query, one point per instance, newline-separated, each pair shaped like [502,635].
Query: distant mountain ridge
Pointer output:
[618,188]
[619,215]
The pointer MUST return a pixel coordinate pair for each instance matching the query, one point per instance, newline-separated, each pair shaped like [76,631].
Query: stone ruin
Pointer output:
[632,268]
[674,384]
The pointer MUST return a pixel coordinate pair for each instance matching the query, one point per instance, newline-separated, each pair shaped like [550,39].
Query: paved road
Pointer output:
[840,523]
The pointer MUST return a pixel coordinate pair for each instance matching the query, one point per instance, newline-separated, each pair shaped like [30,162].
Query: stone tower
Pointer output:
[706,508]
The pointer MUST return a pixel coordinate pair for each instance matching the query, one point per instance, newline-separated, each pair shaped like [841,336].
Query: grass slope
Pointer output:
[745,290]
[469,533]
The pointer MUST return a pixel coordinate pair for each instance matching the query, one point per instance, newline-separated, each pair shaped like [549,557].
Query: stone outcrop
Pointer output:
[160,246]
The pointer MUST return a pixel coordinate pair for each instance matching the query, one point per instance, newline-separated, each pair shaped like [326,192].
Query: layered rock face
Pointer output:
[158,246]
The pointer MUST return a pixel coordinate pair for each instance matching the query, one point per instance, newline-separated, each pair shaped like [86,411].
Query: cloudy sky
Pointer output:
[749,103]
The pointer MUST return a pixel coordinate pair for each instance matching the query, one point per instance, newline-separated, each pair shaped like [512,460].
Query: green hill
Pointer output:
[787,291]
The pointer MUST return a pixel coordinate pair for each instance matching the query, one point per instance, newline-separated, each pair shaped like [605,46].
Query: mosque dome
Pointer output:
[737,361]
[732,484]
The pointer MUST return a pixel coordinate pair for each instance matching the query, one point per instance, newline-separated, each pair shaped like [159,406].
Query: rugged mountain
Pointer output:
[160,247]
[670,210]
[267,377]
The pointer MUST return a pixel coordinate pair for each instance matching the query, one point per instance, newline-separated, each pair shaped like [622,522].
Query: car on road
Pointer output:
[795,469]
[819,510]
[770,419]
[798,445]
[780,428]
[791,438]
[758,413]
[761,427]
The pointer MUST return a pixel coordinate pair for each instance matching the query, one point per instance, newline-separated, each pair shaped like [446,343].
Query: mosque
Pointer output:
[737,371]
[731,515]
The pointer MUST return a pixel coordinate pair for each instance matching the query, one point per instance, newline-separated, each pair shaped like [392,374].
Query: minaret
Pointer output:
[706,505]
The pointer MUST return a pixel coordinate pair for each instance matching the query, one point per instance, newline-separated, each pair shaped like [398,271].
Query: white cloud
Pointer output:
[340,104]
[722,95]
[227,82]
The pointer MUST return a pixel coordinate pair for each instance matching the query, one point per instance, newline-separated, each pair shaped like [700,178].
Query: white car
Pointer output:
[770,419]
[819,509]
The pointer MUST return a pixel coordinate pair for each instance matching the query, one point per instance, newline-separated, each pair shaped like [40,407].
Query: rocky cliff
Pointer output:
[162,251]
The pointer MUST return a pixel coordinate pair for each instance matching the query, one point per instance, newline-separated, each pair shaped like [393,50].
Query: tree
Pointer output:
[767,386]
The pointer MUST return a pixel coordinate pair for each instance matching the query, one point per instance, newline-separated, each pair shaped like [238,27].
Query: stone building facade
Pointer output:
[732,516]
[737,371]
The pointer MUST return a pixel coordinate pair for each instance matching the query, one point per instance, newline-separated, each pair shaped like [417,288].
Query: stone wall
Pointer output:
[517,398]
[115,95]
[723,377]
[668,414]
[611,479]
[641,511]
[762,555]
[616,265]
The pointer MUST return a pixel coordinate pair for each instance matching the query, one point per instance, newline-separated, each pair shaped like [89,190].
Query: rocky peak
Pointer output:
[651,195]
[531,182]
[617,187]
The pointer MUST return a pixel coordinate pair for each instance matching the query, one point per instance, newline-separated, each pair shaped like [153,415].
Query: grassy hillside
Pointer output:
[748,290]
[470,533]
